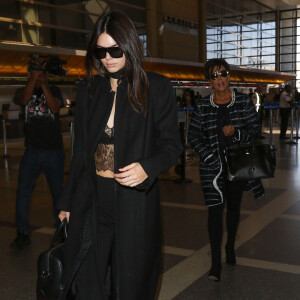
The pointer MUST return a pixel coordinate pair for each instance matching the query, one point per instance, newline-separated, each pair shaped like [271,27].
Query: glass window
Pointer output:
[250,44]
[251,41]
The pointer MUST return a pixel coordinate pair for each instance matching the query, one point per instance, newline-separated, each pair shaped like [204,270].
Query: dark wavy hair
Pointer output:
[215,62]
[122,30]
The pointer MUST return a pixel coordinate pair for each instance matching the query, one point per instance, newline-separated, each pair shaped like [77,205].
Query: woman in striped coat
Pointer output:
[222,119]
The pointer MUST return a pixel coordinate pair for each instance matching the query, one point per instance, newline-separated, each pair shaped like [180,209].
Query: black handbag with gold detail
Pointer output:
[50,266]
[250,161]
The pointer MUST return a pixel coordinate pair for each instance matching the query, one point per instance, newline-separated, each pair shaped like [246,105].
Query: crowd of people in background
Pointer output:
[189,99]
[283,97]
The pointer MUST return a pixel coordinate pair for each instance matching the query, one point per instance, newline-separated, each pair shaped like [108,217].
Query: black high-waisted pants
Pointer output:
[233,192]
[86,283]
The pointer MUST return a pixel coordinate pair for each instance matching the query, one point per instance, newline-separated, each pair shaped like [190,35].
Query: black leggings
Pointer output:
[91,276]
[233,193]
[284,115]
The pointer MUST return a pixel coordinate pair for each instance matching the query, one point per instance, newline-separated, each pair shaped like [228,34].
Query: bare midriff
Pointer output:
[106,173]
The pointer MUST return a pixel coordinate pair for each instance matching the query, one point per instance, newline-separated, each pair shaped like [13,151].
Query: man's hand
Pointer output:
[228,130]
[35,74]
[131,175]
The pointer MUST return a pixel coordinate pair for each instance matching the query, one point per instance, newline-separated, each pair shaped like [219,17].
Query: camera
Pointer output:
[51,64]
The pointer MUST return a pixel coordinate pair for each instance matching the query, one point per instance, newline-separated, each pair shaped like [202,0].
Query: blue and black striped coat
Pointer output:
[203,137]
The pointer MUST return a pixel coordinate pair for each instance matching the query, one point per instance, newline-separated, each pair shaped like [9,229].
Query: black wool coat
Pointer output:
[151,140]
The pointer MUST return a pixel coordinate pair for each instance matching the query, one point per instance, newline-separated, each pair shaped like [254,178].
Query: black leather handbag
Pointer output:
[250,161]
[50,266]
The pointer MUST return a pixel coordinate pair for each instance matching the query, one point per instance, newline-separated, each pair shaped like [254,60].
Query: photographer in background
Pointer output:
[44,146]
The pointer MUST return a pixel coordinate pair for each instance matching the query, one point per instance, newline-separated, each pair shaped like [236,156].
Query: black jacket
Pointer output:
[154,142]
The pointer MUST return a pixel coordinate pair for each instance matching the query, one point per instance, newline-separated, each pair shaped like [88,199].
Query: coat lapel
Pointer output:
[98,113]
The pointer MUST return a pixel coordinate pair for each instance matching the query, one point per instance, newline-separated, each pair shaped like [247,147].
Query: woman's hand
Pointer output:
[64,215]
[131,175]
[228,130]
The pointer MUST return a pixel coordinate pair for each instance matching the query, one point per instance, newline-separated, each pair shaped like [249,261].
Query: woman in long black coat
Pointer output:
[126,134]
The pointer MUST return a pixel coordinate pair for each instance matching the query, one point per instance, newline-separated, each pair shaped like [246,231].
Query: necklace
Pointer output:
[118,74]
[230,103]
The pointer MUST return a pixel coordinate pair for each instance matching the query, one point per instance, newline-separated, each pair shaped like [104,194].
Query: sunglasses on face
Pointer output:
[114,52]
[215,75]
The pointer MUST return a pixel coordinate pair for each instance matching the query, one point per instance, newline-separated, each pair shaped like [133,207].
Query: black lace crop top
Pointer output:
[104,154]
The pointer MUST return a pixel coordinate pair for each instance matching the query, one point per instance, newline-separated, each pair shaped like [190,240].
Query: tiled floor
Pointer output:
[268,242]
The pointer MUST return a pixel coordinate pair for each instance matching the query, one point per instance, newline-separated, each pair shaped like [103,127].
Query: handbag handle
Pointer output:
[57,236]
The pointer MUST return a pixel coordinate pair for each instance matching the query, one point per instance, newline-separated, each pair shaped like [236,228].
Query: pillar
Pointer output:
[202,31]
[152,27]
[30,34]
[277,42]
[154,22]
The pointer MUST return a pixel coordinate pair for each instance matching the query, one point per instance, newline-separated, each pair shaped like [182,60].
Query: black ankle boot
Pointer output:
[21,241]
[216,267]
[230,255]
[215,273]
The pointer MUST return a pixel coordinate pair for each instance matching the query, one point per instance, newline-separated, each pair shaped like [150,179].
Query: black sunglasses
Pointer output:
[215,75]
[114,52]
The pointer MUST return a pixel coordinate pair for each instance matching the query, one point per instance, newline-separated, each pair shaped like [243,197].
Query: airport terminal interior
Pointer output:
[260,39]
